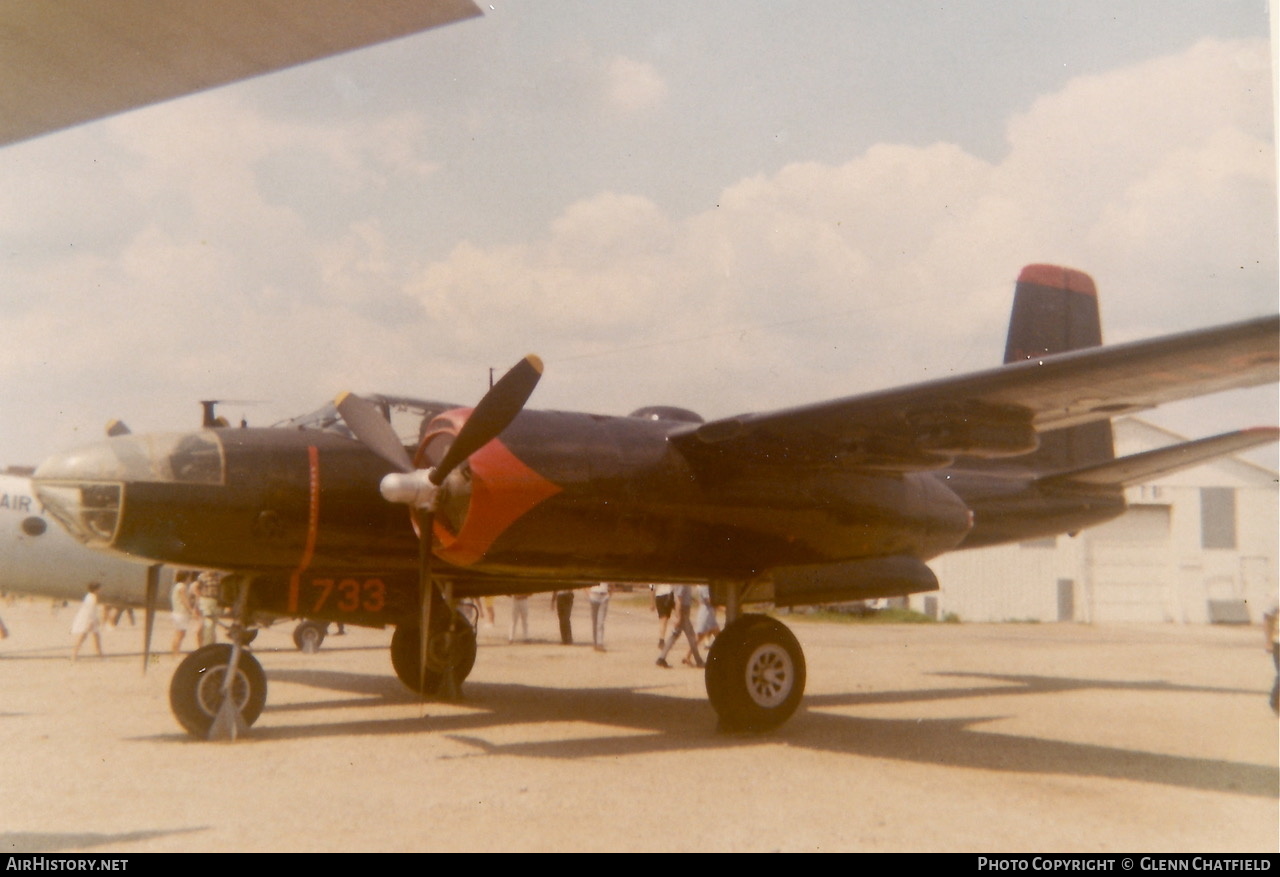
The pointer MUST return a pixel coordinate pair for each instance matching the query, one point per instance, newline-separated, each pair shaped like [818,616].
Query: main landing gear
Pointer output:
[755,674]
[446,649]
[308,636]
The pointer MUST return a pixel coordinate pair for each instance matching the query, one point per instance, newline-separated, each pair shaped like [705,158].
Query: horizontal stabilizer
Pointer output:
[1137,468]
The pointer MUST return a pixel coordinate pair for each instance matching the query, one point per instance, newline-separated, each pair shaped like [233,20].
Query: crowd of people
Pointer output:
[682,610]
[194,609]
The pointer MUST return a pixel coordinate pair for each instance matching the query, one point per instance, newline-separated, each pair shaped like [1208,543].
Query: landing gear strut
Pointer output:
[755,674]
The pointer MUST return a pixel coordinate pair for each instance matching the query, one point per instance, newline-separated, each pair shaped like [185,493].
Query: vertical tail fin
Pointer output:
[1055,310]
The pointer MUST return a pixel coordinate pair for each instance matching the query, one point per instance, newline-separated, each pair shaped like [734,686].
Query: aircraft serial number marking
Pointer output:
[353,595]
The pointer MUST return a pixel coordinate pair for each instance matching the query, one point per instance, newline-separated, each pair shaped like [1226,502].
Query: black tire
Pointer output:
[755,674]
[195,693]
[405,655]
[308,636]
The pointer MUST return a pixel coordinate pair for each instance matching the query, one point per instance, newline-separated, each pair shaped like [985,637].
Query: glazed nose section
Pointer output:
[121,459]
[84,488]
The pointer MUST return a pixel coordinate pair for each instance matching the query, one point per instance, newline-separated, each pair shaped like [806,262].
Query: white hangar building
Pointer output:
[1197,546]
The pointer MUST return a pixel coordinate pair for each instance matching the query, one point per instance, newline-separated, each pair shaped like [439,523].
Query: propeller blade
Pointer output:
[425,596]
[117,427]
[149,625]
[447,689]
[370,427]
[492,415]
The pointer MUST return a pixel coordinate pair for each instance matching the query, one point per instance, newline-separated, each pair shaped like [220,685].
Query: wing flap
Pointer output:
[996,412]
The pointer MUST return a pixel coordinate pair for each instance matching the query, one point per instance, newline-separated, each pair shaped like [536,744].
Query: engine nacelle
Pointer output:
[867,579]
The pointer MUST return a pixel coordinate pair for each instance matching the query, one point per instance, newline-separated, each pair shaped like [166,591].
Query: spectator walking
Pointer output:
[598,597]
[562,601]
[683,624]
[519,615]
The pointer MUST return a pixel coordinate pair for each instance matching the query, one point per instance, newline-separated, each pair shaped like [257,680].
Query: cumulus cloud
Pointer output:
[1159,179]
[813,281]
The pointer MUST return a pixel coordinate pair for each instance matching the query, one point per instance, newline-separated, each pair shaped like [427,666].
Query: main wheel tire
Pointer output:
[755,674]
[405,655]
[308,636]
[195,693]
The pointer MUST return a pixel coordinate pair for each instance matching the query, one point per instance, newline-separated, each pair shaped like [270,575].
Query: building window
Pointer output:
[1217,517]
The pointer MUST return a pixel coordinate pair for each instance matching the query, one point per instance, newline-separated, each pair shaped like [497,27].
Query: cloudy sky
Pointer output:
[727,206]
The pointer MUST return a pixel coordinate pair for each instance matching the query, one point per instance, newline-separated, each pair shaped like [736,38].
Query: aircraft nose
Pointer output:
[84,488]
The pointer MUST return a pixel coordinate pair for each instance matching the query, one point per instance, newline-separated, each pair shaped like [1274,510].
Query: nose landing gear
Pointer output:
[200,695]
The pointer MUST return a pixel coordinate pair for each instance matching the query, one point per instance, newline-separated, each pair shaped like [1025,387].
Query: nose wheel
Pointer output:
[199,688]
[755,674]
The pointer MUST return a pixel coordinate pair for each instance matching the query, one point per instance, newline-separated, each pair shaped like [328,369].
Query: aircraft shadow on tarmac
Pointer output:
[673,723]
[37,842]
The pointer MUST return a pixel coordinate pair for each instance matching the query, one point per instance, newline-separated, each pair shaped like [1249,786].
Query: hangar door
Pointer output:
[1129,566]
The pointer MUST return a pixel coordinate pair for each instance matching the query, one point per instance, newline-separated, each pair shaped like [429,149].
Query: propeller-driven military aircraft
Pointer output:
[822,503]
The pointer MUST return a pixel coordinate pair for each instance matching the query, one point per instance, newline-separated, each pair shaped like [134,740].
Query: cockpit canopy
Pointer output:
[408,417]
[667,412]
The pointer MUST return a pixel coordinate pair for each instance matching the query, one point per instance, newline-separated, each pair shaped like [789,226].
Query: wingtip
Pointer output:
[535,362]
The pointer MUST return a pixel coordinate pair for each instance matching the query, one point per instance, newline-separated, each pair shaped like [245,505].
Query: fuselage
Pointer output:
[559,497]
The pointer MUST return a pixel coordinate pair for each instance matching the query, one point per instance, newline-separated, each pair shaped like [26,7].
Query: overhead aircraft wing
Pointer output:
[995,412]
[64,63]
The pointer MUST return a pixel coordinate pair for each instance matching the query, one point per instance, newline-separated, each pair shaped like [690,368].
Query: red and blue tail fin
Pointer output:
[1055,310]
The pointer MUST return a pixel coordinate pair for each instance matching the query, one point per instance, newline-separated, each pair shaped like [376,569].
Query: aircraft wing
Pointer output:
[996,412]
[66,63]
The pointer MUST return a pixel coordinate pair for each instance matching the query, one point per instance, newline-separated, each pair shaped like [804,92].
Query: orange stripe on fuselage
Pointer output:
[503,489]
[313,526]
